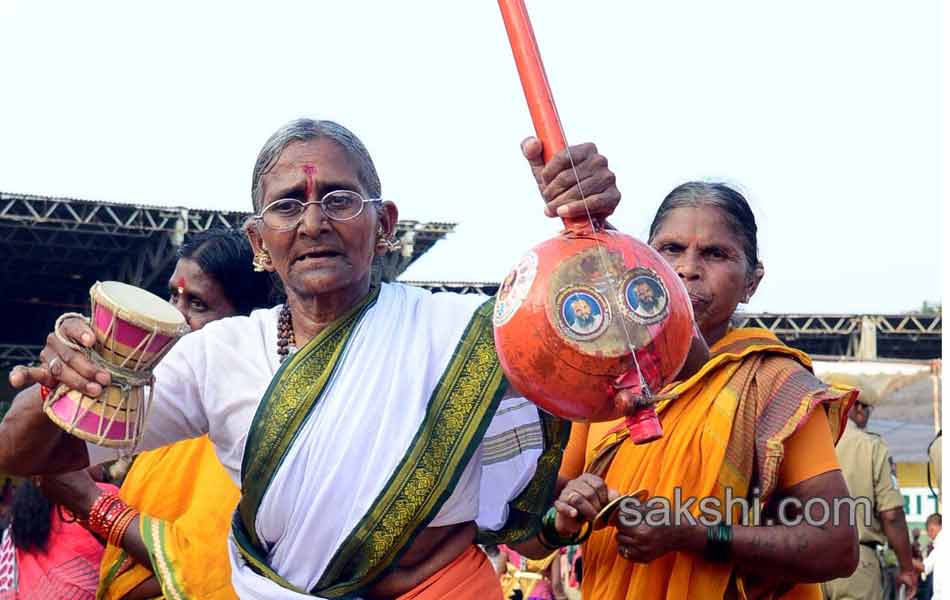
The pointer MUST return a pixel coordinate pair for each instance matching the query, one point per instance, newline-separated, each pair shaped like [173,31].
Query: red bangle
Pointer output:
[117,532]
[45,392]
[105,510]
[111,518]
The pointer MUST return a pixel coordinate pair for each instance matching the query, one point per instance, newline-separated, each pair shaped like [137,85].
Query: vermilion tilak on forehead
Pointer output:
[308,171]
[181,285]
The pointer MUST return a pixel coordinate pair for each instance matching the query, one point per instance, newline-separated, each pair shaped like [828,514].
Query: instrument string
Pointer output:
[644,387]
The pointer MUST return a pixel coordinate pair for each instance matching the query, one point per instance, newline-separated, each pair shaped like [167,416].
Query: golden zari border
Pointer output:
[294,392]
[458,414]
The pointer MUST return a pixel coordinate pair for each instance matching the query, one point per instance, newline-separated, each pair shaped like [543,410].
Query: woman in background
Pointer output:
[55,557]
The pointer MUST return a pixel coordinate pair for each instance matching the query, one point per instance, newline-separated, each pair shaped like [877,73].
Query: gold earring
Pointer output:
[261,260]
[386,243]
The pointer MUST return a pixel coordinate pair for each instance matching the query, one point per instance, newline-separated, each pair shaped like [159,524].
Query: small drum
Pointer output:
[134,329]
[115,419]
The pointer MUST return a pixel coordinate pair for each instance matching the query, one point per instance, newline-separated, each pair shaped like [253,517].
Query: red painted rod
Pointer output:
[534,82]
[533,79]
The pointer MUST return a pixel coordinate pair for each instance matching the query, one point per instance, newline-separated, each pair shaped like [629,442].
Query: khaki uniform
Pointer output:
[866,465]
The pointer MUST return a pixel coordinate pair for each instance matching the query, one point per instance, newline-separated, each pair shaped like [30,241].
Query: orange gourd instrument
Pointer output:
[592,310]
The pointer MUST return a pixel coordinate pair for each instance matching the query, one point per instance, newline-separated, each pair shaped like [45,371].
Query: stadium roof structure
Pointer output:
[53,249]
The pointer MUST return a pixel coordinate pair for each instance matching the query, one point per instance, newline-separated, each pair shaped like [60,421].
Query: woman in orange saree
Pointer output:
[751,424]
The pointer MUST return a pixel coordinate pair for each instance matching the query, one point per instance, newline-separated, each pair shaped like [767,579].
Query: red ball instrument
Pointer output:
[590,311]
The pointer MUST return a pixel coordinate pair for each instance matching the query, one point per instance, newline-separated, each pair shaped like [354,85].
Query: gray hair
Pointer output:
[302,130]
[733,205]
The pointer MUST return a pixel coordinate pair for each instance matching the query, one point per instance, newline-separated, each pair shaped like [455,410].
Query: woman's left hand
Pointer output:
[641,542]
[558,181]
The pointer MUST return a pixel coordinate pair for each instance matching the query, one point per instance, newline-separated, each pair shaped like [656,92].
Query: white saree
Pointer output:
[352,441]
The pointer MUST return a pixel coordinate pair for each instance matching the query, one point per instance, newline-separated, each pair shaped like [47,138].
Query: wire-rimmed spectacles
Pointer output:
[338,205]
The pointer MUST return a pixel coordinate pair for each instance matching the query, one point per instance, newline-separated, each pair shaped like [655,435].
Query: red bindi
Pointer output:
[181,285]
[308,172]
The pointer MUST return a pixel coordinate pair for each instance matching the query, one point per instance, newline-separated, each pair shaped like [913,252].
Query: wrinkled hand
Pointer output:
[580,501]
[31,444]
[641,542]
[62,364]
[559,184]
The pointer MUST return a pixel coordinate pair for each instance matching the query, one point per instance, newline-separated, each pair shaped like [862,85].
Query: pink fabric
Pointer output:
[65,408]
[574,582]
[542,591]
[513,557]
[69,569]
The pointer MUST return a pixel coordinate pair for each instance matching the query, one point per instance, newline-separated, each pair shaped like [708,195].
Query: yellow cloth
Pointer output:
[186,493]
[717,412]
[524,574]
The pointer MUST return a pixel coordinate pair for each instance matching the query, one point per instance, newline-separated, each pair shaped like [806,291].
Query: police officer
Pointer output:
[865,463]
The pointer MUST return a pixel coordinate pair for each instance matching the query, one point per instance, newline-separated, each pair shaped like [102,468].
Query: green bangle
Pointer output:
[550,533]
[544,541]
[718,543]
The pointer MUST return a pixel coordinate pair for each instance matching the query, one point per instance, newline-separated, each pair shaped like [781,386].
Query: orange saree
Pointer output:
[468,576]
[725,428]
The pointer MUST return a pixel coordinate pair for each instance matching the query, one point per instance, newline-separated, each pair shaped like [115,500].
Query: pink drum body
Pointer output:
[113,419]
[134,329]
[122,342]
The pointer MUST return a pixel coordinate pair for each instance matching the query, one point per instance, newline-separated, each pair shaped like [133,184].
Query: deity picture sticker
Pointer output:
[583,312]
[515,288]
[643,296]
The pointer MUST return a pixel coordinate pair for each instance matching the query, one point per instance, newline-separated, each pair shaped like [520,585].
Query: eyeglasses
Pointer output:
[338,205]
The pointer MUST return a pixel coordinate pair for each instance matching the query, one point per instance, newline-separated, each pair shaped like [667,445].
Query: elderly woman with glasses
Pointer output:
[369,425]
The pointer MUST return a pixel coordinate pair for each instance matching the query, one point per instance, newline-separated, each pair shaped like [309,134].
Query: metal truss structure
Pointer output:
[911,336]
[53,249]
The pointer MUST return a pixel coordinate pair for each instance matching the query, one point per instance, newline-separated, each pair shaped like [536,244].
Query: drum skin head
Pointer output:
[134,328]
[142,304]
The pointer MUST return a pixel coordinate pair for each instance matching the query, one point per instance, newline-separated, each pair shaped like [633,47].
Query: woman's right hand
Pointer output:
[580,501]
[62,364]
[76,490]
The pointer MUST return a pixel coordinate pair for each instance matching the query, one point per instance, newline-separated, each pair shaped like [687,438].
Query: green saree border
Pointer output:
[525,511]
[154,533]
[106,582]
[457,417]
[291,397]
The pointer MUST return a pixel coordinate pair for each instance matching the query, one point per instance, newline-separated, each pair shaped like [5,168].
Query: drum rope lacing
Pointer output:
[123,378]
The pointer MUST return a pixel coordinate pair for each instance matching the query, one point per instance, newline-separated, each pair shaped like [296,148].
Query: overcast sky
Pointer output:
[825,114]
